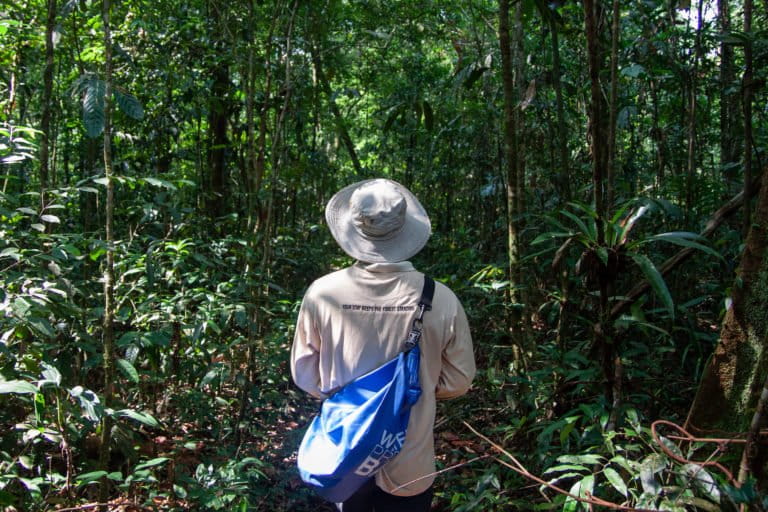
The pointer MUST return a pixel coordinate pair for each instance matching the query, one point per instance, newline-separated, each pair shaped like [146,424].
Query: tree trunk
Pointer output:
[729,388]
[47,107]
[217,123]
[690,192]
[611,157]
[598,138]
[513,181]
[109,269]
[728,108]
[657,134]
[562,133]
[747,106]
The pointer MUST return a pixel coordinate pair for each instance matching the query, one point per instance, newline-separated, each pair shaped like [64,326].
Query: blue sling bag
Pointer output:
[363,425]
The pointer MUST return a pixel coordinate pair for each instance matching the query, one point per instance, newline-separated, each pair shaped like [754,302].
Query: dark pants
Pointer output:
[369,498]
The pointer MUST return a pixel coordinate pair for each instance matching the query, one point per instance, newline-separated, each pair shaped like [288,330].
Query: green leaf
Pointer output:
[550,236]
[474,75]
[87,478]
[128,370]
[6,498]
[129,104]
[566,467]
[656,280]
[160,183]
[629,224]
[11,252]
[580,489]
[89,402]
[585,231]
[32,484]
[151,463]
[50,218]
[633,71]
[616,481]
[93,106]
[50,375]
[703,480]
[589,458]
[651,465]
[42,326]
[146,419]
[685,239]
[17,387]
[602,253]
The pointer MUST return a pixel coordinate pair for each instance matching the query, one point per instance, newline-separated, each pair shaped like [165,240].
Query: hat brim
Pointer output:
[408,241]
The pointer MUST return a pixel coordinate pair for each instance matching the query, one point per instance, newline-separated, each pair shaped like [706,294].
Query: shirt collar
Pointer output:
[401,266]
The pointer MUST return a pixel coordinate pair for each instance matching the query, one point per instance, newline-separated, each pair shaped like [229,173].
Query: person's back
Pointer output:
[353,320]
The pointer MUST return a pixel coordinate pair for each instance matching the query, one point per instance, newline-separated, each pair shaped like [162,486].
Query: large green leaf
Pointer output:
[127,369]
[585,231]
[151,463]
[89,402]
[51,375]
[616,481]
[90,477]
[703,480]
[129,104]
[684,239]
[146,419]
[18,387]
[629,224]
[656,280]
[93,106]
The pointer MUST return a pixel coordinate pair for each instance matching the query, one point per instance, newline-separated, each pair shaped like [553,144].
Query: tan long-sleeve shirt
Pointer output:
[353,320]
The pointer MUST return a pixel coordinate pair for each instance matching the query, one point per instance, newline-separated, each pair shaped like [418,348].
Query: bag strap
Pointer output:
[425,304]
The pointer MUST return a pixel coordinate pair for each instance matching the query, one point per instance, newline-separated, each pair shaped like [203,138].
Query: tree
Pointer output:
[735,374]
[108,336]
[510,80]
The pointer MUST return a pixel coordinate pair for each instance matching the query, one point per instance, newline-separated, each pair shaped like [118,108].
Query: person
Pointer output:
[353,320]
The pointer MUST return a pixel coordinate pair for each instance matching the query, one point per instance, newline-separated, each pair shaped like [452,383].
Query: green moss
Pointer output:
[752,361]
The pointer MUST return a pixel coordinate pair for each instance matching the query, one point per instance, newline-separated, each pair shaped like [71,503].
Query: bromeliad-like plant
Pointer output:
[607,247]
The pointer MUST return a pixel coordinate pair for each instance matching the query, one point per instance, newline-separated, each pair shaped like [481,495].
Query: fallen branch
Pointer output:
[714,222]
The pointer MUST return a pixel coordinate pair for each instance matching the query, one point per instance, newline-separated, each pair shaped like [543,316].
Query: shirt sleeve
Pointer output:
[458,360]
[305,353]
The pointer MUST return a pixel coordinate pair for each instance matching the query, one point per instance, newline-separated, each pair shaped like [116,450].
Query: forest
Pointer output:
[592,170]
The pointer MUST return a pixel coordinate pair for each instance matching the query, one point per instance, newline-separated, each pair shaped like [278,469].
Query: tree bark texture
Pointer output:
[746,86]
[512,178]
[597,107]
[611,157]
[45,121]
[690,192]
[218,114]
[728,107]
[109,269]
[564,179]
[730,386]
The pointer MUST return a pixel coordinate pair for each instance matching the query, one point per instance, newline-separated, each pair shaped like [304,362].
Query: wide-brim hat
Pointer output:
[378,221]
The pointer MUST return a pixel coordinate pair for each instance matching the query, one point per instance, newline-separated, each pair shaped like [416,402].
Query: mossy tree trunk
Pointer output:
[731,383]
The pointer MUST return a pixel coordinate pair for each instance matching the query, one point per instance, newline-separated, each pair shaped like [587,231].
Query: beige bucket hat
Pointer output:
[378,221]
